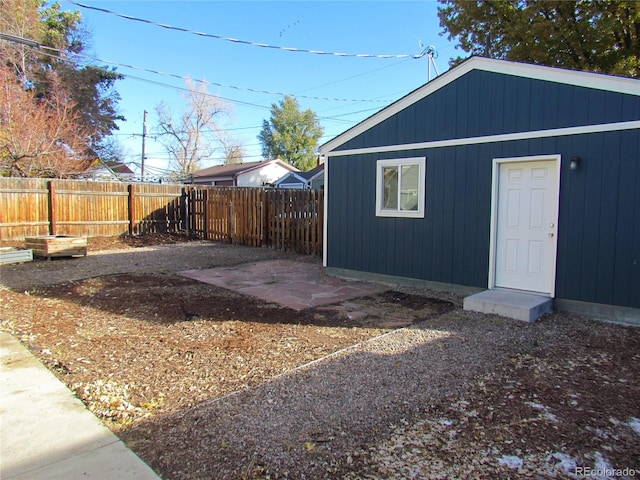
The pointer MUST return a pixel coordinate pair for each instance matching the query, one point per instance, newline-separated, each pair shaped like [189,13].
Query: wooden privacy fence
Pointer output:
[32,207]
[277,218]
[282,219]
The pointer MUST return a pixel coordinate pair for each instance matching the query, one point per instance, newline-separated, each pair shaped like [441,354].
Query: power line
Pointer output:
[35,44]
[173,75]
[249,104]
[355,76]
[246,89]
[246,42]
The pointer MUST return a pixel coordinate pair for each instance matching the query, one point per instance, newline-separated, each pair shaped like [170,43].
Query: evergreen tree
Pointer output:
[291,135]
[591,35]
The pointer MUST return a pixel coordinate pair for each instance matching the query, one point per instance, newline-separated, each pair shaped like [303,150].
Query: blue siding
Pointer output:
[441,247]
[598,227]
[485,103]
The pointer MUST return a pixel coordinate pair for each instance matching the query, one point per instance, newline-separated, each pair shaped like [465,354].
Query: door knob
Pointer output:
[551,235]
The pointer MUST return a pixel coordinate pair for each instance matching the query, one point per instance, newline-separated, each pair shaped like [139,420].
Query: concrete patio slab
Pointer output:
[295,285]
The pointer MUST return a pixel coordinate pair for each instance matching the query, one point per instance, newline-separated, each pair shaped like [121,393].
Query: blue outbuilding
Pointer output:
[496,176]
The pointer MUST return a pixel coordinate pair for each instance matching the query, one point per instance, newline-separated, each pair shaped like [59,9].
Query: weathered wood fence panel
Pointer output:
[195,203]
[24,208]
[219,214]
[156,208]
[32,207]
[246,219]
[93,209]
[275,218]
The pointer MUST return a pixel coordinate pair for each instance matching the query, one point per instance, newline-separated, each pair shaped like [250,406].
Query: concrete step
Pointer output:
[511,304]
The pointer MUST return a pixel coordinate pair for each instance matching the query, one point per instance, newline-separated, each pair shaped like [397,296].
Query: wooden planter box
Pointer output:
[57,246]
[14,255]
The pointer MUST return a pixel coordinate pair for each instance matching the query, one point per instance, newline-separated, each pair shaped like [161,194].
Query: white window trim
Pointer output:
[397,162]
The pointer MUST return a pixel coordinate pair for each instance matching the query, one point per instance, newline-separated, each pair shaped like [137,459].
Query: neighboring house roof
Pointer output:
[235,169]
[313,173]
[537,72]
[101,170]
[121,168]
[293,178]
[304,178]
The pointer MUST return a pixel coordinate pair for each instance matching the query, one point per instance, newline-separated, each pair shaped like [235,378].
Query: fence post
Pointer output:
[231,219]
[131,190]
[184,207]
[205,206]
[263,217]
[52,208]
[192,210]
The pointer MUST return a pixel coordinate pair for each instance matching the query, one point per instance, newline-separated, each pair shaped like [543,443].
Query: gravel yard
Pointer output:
[202,382]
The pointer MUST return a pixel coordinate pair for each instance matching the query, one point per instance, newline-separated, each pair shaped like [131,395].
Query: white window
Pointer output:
[400,187]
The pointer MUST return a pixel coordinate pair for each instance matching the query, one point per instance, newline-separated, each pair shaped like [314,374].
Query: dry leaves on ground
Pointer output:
[206,383]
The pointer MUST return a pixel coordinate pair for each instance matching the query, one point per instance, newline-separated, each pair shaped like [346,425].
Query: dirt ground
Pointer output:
[157,343]
[146,350]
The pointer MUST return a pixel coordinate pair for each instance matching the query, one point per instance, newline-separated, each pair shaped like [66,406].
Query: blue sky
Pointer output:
[359,27]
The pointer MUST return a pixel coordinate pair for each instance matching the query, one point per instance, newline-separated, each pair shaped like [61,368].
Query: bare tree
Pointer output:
[232,148]
[39,137]
[193,137]
[234,155]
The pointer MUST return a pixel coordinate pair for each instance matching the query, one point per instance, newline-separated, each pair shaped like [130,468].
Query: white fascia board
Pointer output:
[259,165]
[537,72]
[578,78]
[506,137]
[325,224]
[286,165]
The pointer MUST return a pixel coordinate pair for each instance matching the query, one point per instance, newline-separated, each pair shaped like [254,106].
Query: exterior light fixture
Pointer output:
[575,163]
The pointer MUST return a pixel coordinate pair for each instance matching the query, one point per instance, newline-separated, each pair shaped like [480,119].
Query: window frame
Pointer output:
[399,163]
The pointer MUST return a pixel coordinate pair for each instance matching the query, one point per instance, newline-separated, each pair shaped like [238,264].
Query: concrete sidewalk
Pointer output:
[47,433]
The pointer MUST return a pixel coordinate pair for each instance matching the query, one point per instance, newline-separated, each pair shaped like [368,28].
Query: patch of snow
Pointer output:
[602,467]
[511,461]
[634,423]
[601,462]
[601,433]
[564,462]
[446,422]
[545,409]
[552,417]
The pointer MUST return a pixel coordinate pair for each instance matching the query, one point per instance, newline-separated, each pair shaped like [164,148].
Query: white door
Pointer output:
[526,225]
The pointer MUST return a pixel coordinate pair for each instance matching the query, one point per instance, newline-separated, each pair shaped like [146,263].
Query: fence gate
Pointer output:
[277,218]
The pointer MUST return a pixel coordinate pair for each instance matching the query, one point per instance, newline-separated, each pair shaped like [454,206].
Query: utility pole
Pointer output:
[144,135]
[432,54]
